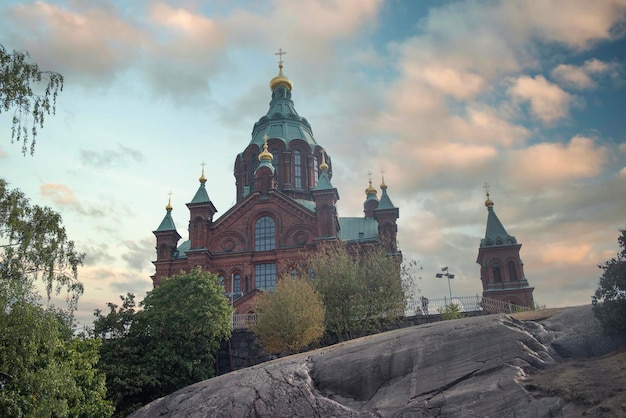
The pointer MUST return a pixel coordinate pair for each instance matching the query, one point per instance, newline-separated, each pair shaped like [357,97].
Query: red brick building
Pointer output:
[285,207]
[501,268]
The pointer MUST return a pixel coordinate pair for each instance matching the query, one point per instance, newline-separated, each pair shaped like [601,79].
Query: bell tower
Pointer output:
[501,268]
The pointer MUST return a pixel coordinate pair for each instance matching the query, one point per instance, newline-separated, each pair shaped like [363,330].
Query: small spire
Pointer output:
[169,202]
[383,186]
[488,202]
[280,78]
[323,165]
[202,178]
[265,155]
[370,190]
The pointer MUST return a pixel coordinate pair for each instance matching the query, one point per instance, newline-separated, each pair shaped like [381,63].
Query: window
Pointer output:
[512,271]
[297,164]
[497,274]
[221,279]
[254,163]
[315,170]
[265,276]
[264,234]
[236,282]
[275,164]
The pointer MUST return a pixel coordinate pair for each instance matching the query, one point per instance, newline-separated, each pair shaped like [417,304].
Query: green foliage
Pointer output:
[166,346]
[610,297]
[35,247]
[17,80]
[291,317]
[46,371]
[361,289]
[451,311]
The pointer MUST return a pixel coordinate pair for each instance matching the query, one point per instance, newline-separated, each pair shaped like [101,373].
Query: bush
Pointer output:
[451,311]
[610,299]
[291,317]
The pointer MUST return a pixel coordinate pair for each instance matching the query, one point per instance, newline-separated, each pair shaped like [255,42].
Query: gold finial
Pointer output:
[265,155]
[323,165]
[202,178]
[383,186]
[370,190]
[280,78]
[488,202]
[169,202]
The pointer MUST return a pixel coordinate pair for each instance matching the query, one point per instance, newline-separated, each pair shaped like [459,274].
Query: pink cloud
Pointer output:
[58,193]
[549,163]
[548,101]
[89,42]
[583,77]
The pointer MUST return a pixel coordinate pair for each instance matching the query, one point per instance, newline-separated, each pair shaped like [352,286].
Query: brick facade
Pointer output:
[285,208]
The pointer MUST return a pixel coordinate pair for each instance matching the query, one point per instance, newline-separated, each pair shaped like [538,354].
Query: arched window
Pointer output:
[316,168]
[512,271]
[236,282]
[275,164]
[297,166]
[497,273]
[221,279]
[264,234]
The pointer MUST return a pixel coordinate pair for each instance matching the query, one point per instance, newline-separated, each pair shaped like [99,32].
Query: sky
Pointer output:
[441,96]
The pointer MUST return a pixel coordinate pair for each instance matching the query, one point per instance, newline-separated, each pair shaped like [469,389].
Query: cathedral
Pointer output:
[501,268]
[286,207]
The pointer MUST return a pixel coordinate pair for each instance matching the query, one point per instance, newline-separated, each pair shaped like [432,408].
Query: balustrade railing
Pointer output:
[423,307]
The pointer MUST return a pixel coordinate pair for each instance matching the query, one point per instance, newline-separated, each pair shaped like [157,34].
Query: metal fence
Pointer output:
[423,306]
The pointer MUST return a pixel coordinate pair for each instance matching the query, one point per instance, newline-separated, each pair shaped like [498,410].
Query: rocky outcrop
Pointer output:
[461,368]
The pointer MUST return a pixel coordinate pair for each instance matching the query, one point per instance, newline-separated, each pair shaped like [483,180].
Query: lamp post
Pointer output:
[449,276]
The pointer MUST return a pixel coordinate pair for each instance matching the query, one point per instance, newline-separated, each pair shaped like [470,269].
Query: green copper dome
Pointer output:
[281,120]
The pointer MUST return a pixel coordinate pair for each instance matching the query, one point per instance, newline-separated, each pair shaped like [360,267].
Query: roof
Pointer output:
[385,201]
[282,121]
[167,224]
[201,195]
[358,229]
[495,234]
[323,183]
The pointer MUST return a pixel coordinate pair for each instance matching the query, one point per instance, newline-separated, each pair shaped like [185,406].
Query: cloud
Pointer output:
[2,153]
[111,158]
[88,43]
[553,163]
[63,196]
[138,255]
[59,194]
[582,77]
[575,23]
[548,102]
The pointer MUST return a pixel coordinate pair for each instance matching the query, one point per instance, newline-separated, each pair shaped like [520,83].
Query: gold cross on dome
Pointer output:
[280,54]
[486,187]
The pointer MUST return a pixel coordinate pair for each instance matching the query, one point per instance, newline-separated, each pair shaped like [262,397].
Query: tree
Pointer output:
[361,289]
[44,369]
[166,346]
[291,317]
[610,297]
[34,246]
[17,80]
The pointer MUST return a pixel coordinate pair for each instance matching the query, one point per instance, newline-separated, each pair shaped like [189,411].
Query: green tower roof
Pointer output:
[385,201]
[167,224]
[495,234]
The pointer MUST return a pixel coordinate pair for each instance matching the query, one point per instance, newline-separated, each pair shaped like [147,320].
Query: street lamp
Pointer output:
[449,276]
